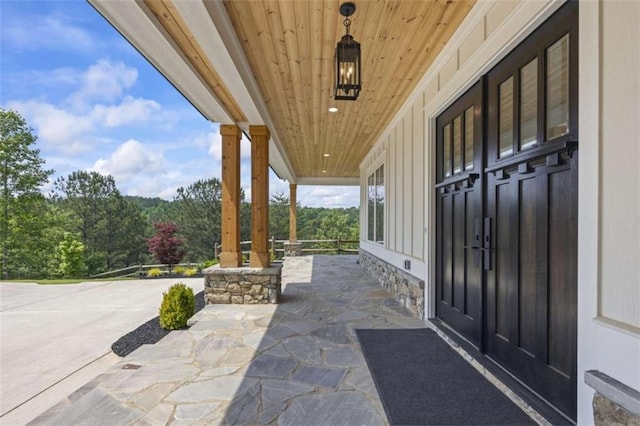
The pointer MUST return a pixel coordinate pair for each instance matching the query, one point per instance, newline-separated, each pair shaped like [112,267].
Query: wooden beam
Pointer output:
[260,256]
[293,223]
[231,256]
[186,43]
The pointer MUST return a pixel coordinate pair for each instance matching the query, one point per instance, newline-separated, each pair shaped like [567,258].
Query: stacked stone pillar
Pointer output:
[230,282]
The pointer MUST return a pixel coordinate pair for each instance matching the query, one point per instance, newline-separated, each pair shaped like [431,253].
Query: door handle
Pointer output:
[476,248]
[482,243]
[487,243]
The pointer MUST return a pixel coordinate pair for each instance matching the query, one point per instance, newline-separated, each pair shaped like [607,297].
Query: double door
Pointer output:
[506,212]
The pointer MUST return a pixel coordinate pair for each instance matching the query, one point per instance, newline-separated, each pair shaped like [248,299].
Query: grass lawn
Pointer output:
[70,280]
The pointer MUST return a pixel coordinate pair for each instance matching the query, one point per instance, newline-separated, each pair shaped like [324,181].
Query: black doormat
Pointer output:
[422,381]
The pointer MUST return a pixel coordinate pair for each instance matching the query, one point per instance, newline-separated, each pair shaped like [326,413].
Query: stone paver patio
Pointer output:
[296,363]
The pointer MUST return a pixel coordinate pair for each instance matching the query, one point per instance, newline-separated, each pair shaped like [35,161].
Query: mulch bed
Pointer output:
[147,334]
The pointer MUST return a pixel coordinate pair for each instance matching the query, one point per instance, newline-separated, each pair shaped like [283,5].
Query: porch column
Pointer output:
[231,256]
[260,256]
[293,224]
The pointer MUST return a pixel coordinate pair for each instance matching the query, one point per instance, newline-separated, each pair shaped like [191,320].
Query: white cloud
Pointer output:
[214,141]
[277,186]
[72,126]
[104,81]
[329,196]
[130,160]
[163,185]
[144,170]
[48,32]
[50,78]
[129,111]
[245,148]
[57,129]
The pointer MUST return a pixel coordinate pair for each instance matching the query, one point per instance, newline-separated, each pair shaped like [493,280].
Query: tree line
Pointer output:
[86,225]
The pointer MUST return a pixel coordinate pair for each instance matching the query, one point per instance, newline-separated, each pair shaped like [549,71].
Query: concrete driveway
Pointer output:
[55,338]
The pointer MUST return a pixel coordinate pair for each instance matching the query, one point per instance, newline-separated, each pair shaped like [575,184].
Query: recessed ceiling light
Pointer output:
[333,109]
[326,155]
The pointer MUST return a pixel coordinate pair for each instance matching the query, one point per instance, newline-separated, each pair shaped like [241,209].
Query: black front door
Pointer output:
[532,202]
[459,215]
[525,228]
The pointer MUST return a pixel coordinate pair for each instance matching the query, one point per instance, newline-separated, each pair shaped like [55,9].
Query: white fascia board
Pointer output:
[329,181]
[279,163]
[200,24]
[136,26]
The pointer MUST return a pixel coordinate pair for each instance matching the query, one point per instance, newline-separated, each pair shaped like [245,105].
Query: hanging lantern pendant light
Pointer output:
[348,78]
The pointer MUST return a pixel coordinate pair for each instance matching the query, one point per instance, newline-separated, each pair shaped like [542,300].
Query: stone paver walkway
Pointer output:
[296,363]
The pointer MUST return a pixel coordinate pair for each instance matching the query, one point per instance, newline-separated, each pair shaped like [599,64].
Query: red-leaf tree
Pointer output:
[165,246]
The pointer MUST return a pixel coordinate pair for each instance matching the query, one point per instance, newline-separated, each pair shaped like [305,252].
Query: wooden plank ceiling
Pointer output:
[290,45]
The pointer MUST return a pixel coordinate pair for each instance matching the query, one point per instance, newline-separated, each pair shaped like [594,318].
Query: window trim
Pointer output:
[371,171]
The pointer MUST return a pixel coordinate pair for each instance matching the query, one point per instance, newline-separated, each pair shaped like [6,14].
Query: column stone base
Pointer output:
[292,249]
[243,285]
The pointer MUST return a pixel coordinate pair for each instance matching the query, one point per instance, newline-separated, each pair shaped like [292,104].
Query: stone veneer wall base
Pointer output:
[614,403]
[243,285]
[408,289]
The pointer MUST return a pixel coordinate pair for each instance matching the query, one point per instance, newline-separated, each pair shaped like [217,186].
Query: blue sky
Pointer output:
[96,104]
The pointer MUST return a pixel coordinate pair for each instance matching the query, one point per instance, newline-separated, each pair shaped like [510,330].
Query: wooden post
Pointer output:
[259,197]
[231,257]
[338,245]
[293,225]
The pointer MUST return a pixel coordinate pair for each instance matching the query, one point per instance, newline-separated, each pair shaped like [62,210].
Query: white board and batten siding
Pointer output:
[609,176]
[405,149]
[401,151]
[609,195]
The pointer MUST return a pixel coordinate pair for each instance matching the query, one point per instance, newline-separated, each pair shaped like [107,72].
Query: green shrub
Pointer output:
[189,272]
[179,270]
[72,258]
[178,305]
[208,263]
[154,272]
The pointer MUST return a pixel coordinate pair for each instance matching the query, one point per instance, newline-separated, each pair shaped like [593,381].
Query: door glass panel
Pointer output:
[558,88]
[446,149]
[468,139]
[457,144]
[529,104]
[505,135]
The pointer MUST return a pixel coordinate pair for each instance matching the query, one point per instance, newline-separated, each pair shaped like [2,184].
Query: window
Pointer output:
[457,143]
[530,98]
[558,88]
[375,206]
